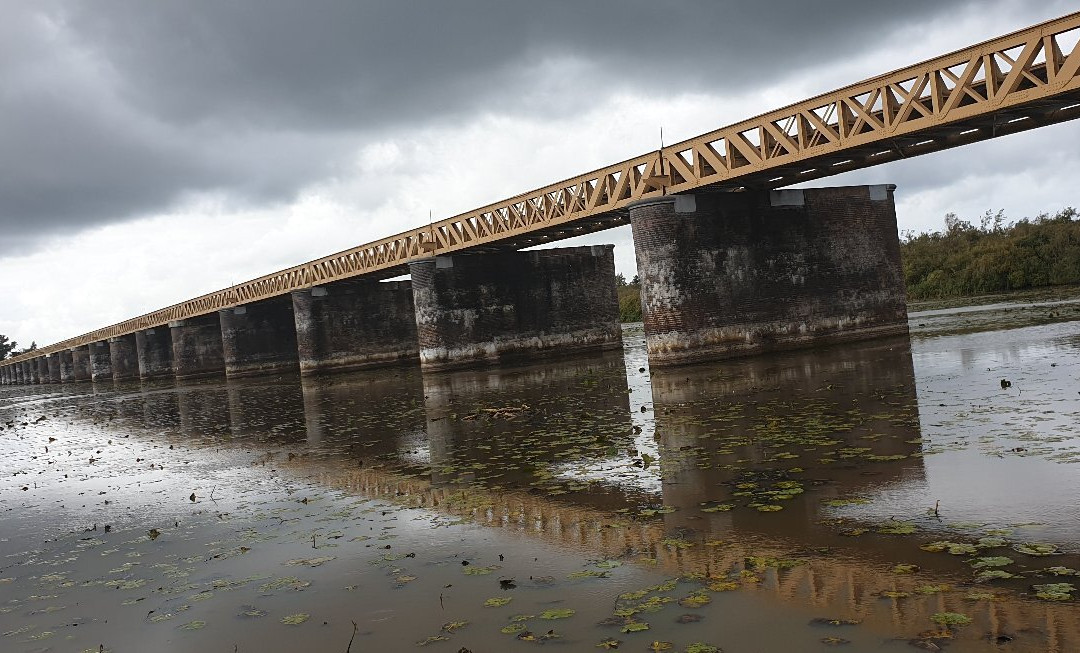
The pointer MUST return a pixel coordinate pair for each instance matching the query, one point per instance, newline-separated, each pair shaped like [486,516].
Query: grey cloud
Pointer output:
[113,109]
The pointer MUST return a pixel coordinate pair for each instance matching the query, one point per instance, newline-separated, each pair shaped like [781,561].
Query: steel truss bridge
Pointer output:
[1006,85]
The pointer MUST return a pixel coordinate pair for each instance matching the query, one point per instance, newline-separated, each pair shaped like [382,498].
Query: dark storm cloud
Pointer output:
[109,110]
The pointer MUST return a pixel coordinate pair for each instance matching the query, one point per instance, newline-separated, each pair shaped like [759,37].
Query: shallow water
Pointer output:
[753,505]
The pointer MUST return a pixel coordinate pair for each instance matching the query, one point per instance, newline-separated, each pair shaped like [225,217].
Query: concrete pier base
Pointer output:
[5,375]
[38,370]
[731,274]
[67,366]
[123,357]
[259,338]
[491,308]
[355,324]
[52,364]
[100,361]
[80,363]
[196,344]
[153,347]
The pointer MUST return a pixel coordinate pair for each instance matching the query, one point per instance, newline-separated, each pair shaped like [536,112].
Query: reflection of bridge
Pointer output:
[373,415]
[835,585]
[1012,83]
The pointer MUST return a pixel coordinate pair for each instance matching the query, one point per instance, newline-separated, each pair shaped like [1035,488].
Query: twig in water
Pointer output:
[349,647]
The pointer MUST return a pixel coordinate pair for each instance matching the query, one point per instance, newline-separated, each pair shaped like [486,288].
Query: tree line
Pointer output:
[10,347]
[995,256]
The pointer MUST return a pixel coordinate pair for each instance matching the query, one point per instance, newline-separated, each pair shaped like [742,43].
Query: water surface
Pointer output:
[853,496]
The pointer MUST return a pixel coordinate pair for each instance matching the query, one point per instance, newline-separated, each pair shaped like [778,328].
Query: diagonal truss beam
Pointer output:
[1009,84]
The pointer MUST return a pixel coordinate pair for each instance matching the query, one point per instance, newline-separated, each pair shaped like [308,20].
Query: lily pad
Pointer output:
[498,601]
[992,561]
[1036,548]
[1054,591]
[478,571]
[1062,571]
[295,619]
[829,621]
[950,619]
[955,548]
[896,527]
[560,613]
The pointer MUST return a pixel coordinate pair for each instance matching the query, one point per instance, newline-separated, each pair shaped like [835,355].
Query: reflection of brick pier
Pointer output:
[838,586]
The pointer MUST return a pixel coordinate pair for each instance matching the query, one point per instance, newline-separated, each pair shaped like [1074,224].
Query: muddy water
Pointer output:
[875,497]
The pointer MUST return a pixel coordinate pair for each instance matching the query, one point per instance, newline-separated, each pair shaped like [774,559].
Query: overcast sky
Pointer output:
[154,151]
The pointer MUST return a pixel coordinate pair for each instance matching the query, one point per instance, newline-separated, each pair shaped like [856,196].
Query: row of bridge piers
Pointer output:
[722,275]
